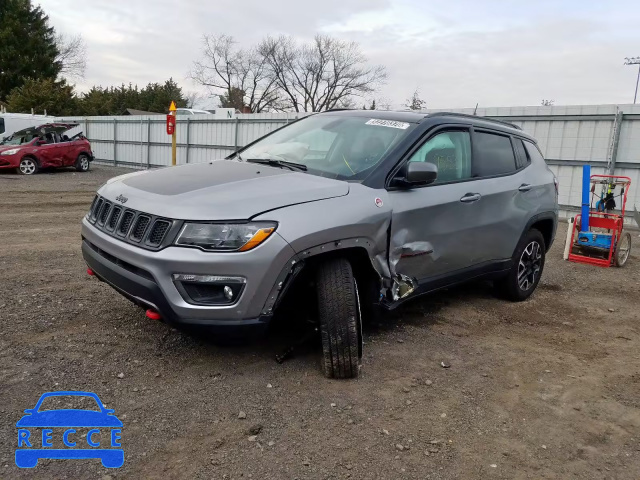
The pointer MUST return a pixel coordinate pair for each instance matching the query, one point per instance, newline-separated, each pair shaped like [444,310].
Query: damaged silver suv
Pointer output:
[375,207]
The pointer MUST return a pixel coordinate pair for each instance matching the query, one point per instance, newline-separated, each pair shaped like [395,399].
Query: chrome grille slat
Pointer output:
[130,226]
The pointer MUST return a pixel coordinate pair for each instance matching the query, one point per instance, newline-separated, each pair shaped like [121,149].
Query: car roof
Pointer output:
[411,116]
[46,128]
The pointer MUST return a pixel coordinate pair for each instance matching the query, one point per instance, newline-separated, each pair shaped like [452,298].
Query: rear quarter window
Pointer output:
[534,152]
[493,155]
[2,128]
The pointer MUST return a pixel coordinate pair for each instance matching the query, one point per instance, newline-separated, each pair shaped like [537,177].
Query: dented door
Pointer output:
[433,232]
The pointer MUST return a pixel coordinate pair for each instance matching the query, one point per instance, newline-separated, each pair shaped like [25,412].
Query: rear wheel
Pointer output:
[623,249]
[527,265]
[82,163]
[28,166]
[340,319]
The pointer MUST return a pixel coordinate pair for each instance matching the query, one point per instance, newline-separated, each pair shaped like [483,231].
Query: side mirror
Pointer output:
[416,173]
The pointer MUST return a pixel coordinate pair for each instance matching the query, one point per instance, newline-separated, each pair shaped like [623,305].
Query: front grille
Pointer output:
[104,213]
[127,219]
[113,219]
[158,231]
[131,226]
[139,229]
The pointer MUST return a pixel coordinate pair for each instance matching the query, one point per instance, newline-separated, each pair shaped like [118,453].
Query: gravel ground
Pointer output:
[548,388]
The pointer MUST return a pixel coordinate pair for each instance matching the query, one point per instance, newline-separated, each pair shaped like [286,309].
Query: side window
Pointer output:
[450,152]
[534,153]
[522,157]
[2,130]
[494,155]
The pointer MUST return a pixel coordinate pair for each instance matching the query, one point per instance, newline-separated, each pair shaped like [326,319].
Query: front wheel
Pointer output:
[526,270]
[28,166]
[340,319]
[623,249]
[82,163]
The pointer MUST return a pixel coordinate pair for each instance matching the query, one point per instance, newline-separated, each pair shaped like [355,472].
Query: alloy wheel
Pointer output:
[27,166]
[529,266]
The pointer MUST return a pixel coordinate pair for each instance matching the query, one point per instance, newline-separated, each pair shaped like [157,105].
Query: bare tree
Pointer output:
[193,98]
[415,102]
[226,70]
[72,55]
[323,74]
[547,103]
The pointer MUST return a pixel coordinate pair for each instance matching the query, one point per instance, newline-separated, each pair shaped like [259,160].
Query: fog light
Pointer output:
[209,289]
[228,292]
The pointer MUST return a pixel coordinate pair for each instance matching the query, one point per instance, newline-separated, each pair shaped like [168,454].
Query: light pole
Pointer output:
[634,61]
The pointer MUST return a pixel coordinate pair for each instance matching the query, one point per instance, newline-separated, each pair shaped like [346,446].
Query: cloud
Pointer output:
[457,53]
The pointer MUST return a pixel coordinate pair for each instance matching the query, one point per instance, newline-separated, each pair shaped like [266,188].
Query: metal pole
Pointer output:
[616,142]
[235,146]
[148,142]
[188,139]
[115,141]
[635,96]
[173,143]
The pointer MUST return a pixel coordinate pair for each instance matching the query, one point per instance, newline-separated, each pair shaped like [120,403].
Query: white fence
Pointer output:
[605,136]
[142,141]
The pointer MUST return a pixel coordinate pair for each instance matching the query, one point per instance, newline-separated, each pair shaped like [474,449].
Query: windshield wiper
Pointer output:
[278,163]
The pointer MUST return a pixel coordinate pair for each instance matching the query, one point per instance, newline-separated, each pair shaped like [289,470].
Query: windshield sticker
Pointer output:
[388,123]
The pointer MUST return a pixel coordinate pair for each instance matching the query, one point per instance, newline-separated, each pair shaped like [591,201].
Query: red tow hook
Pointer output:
[90,272]
[153,315]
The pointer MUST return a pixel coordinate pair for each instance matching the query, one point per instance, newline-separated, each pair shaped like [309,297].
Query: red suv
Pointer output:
[45,146]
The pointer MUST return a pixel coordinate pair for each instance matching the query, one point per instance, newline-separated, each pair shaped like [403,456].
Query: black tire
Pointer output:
[527,266]
[623,250]
[82,163]
[340,319]
[28,166]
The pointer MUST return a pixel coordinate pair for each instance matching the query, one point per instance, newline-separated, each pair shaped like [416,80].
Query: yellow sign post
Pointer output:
[172,111]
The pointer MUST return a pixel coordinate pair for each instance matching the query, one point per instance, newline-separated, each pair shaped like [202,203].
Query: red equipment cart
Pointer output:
[601,240]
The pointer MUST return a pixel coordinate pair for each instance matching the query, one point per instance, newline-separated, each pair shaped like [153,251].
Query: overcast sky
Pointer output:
[456,52]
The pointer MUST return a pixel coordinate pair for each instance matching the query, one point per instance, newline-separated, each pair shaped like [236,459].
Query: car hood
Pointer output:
[69,418]
[220,190]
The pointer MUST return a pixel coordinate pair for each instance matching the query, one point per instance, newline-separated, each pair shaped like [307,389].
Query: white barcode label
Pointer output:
[388,123]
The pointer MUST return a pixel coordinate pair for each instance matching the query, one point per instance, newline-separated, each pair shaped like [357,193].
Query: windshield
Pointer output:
[18,139]
[340,147]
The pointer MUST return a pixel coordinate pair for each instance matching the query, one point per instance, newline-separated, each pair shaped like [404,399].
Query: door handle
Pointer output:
[525,187]
[470,197]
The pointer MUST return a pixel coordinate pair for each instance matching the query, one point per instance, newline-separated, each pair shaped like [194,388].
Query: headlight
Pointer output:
[13,151]
[219,237]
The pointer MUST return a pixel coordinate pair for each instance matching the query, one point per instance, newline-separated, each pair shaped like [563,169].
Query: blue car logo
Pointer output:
[66,433]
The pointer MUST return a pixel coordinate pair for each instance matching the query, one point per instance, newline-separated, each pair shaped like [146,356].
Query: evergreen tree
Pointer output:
[54,97]
[27,45]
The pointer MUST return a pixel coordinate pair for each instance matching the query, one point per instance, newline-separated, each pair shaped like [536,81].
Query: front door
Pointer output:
[50,154]
[434,228]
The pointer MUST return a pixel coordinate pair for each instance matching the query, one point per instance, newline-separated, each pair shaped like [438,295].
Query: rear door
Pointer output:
[502,210]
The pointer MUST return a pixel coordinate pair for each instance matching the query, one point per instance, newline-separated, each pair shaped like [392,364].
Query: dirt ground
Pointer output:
[548,388]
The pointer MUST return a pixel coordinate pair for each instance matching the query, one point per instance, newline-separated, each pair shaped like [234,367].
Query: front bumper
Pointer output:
[145,277]
[9,161]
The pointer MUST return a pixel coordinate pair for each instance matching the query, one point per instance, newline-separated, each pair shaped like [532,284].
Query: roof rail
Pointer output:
[464,115]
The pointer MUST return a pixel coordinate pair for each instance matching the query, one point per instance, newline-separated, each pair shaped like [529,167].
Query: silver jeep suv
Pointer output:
[375,207]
